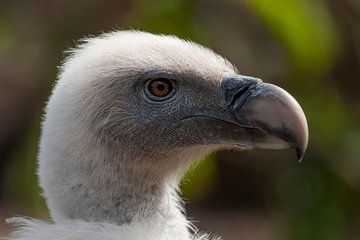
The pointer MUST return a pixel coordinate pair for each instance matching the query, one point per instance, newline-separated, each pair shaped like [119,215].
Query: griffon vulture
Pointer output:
[129,113]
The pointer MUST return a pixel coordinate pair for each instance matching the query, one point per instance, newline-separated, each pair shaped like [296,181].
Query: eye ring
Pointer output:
[159,89]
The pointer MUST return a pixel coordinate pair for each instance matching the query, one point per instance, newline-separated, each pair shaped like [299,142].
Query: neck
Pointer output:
[114,191]
[124,196]
[92,183]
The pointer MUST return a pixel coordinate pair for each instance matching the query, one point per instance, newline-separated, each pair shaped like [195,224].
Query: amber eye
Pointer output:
[159,89]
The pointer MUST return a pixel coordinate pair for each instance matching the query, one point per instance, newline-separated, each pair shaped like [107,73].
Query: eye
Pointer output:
[159,89]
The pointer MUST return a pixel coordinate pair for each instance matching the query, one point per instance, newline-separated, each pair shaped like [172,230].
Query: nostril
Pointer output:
[236,89]
[239,94]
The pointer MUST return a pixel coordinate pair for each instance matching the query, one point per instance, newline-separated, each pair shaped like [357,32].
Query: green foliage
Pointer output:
[21,182]
[200,181]
[319,204]
[6,35]
[163,16]
[305,28]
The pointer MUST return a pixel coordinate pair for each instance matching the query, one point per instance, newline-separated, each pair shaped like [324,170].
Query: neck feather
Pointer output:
[94,184]
[114,191]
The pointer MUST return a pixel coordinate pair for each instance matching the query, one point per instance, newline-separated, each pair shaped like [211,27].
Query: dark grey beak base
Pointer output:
[253,104]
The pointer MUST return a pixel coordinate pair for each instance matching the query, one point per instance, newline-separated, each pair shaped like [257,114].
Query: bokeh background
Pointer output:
[309,47]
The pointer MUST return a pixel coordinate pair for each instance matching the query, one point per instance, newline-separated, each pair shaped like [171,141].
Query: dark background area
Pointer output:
[309,47]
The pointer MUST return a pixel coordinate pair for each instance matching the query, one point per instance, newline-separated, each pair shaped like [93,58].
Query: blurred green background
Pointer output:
[309,47]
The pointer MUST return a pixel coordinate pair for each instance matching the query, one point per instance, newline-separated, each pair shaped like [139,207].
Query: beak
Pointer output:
[255,105]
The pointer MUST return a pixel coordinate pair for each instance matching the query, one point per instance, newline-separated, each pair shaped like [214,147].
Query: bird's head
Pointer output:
[156,103]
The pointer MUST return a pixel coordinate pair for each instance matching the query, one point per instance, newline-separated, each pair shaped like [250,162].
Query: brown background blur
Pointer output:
[309,47]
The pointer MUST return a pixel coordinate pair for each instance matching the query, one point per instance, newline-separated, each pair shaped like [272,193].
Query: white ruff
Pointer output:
[31,229]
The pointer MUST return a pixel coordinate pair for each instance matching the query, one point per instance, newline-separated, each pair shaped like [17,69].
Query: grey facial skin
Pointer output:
[254,114]
[242,112]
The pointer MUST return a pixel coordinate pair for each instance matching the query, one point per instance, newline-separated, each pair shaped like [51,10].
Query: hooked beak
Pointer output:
[255,105]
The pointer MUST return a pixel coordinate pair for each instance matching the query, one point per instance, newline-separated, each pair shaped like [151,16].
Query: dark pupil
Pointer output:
[161,87]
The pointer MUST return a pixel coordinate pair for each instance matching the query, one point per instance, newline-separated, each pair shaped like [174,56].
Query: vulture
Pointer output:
[129,113]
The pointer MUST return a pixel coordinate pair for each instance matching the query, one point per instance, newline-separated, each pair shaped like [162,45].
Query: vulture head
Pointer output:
[132,110]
